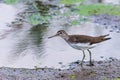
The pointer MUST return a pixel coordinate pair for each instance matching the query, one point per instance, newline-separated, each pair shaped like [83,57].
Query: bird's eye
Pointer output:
[60,32]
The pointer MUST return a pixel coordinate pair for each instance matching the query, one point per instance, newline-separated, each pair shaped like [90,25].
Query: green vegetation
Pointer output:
[93,9]
[117,78]
[105,78]
[70,1]
[75,22]
[40,16]
[97,9]
[33,19]
[73,76]
[11,1]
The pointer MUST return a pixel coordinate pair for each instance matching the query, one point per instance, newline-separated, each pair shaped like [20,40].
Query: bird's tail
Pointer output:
[103,37]
[100,39]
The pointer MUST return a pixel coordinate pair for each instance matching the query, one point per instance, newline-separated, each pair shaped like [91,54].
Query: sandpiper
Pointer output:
[81,42]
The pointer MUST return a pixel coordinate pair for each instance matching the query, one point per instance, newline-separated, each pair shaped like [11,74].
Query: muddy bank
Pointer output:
[103,70]
[110,22]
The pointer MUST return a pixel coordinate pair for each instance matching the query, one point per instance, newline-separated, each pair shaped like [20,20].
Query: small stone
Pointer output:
[101,57]
[104,24]
[111,30]
[60,62]
[99,62]
[115,26]
[118,31]
[77,62]
[112,59]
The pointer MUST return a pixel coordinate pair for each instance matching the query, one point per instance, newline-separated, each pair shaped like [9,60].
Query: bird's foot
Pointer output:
[81,64]
[91,64]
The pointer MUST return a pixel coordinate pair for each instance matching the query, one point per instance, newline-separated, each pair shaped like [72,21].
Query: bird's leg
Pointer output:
[83,57]
[91,64]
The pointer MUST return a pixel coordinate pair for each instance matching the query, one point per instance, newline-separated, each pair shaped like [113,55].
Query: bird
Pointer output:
[82,42]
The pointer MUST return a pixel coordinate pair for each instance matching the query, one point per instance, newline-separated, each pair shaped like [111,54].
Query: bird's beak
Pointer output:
[53,36]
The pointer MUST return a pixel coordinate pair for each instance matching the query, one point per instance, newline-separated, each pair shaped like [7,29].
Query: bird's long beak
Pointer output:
[53,36]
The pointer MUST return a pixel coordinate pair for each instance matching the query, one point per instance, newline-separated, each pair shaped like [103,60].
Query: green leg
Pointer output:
[91,64]
[83,57]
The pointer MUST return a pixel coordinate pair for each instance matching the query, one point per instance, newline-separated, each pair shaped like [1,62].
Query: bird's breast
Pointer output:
[81,46]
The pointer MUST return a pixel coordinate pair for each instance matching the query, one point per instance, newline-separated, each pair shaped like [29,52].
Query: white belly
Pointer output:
[82,46]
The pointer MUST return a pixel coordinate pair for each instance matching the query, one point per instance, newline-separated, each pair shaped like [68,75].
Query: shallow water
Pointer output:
[29,46]
[59,51]
[5,18]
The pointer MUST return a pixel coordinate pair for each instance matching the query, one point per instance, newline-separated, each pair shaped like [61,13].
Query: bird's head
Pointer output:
[60,33]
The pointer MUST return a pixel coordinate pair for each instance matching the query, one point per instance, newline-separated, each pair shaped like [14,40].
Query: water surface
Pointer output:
[29,46]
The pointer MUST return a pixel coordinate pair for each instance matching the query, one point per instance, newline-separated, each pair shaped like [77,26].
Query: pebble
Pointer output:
[113,22]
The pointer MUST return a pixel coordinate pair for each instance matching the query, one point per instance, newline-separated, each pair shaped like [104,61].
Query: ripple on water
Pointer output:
[31,47]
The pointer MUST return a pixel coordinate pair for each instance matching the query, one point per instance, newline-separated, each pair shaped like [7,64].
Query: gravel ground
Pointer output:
[110,22]
[102,70]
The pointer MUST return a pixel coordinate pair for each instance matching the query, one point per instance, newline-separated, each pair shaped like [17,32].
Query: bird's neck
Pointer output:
[65,37]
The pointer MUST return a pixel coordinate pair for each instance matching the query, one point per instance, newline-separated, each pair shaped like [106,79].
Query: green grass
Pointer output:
[117,79]
[11,1]
[35,19]
[97,9]
[75,23]
[70,1]
[93,9]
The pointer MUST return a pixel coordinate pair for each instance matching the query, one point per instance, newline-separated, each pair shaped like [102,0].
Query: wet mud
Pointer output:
[102,70]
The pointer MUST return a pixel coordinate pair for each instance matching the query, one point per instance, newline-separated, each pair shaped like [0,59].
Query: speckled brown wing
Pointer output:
[80,39]
[99,39]
[87,39]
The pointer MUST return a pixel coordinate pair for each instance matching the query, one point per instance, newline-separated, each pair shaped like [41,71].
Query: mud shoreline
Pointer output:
[102,70]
